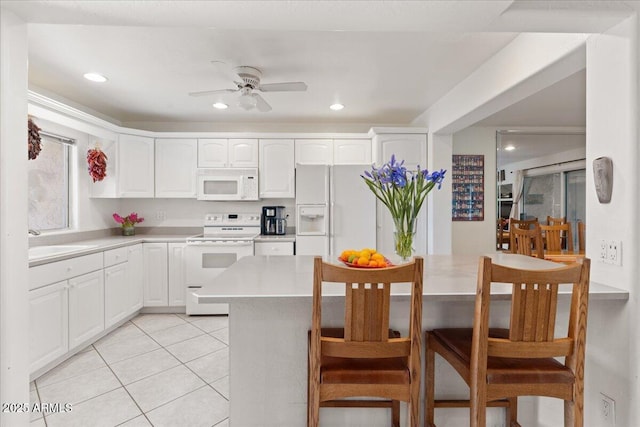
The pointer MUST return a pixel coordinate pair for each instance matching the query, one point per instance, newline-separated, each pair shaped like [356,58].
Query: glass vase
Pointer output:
[128,231]
[403,238]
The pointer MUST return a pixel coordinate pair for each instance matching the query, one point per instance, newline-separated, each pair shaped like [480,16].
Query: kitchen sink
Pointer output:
[45,251]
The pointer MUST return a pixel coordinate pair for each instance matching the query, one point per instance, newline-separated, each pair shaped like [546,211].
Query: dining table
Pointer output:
[270,303]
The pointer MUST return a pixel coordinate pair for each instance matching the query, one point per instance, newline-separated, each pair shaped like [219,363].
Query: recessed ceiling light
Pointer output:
[95,77]
[336,107]
[509,148]
[220,106]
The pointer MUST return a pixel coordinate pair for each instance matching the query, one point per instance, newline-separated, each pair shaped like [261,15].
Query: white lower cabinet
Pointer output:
[117,304]
[156,284]
[164,274]
[86,308]
[135,271]
[48,324]
[176,279]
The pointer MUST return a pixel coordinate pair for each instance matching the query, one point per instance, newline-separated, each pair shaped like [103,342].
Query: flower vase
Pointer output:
[403,239]
[128,231]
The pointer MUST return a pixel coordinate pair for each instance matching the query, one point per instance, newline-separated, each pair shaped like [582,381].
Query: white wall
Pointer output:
[190,212]
[478,237]
[14,317]
[612,131]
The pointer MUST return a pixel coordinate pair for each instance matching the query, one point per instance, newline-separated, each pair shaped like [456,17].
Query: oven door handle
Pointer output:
[221,244]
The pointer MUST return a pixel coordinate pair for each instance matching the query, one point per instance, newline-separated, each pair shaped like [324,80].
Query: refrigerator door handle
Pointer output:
[332,218]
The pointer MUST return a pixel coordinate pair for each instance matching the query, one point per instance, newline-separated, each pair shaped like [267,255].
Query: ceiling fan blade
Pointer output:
[283,87]
[261,105]
[212,92]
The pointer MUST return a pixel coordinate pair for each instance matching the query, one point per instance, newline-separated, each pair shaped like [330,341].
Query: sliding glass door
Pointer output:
[575,200]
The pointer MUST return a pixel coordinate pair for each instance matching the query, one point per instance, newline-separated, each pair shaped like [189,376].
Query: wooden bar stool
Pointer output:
[499,365]
[365,358]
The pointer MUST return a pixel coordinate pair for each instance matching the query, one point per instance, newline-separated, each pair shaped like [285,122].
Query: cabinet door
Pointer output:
[48,324]
[86,307]
[135,166]
[135,271]
[176,163]
[117,303]
[277,168]
[177,287]
[314,151]
[352,152]
[243,153]
[213,153]
[155,274]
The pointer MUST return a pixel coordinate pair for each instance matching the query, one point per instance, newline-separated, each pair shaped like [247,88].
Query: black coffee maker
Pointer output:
[273,220]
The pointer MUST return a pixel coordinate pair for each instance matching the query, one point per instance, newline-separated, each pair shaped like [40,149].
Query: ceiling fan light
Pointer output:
[247,102]
[220,106]
[336,107]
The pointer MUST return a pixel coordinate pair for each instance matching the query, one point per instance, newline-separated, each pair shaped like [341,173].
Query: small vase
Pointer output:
[128,231]
[403,239]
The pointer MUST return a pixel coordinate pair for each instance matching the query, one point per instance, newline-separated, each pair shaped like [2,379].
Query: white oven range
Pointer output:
[226,238]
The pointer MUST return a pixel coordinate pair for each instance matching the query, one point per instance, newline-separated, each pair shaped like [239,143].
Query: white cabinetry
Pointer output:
[86,308]
[176,161]
[135,166]
[223,153]
[274,248]
[176,279]
[135,272]
[155,274]
[314,151]
[48,324]
[352,152]
[277,168]
[333,151]
[117,303]
[412,148]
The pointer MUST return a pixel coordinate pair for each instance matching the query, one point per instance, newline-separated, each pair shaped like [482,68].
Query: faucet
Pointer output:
[33,232]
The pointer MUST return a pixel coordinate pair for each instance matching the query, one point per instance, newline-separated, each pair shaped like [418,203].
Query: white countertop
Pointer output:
[446,277]
[106,243]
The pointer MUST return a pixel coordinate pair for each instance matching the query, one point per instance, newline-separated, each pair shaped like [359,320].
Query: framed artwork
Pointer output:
[467,203]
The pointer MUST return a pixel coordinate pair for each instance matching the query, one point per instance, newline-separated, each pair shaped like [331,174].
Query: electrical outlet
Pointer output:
[614,252]
[603,251]
[161,215]
[608,410]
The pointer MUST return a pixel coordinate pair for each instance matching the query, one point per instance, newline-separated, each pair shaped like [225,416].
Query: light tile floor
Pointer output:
[155,370]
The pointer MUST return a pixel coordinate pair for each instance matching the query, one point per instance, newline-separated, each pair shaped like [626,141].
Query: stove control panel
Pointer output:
[232,219]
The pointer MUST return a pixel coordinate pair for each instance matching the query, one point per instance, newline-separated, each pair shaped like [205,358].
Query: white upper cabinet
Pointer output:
[227,153]
[176,161]
[352,152]
[412,148]
[314,151]
[135,166]
[243,153]
[277,168]
[213,153]
[333,151]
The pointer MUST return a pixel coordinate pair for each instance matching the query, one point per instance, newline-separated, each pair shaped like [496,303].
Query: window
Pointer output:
[49,183]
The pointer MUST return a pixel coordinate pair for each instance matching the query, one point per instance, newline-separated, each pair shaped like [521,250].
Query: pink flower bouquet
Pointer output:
[129,220]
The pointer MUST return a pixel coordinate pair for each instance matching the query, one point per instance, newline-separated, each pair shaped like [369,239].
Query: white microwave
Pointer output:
[227,184]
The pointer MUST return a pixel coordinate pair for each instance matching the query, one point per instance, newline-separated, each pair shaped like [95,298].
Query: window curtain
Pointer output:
[517,194]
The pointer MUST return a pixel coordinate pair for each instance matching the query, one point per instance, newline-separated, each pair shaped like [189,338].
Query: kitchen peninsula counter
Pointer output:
[270,300]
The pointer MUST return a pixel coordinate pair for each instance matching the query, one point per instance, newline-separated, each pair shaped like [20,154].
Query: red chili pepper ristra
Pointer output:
[97,164]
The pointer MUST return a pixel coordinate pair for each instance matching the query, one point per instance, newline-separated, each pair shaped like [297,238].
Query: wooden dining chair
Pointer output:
[527,224]
[556,220]
[526,241]
[581,237]
[557,237]
[499,365]
[365,358]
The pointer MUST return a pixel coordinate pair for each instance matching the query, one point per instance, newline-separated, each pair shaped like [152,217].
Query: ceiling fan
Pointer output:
[250,81]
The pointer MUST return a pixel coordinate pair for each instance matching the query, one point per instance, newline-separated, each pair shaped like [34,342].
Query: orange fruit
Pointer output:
[363,261]
[373,263]
[377,257]
[382,263]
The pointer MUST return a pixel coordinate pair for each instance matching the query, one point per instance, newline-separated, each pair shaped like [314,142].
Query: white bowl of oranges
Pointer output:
[364,258]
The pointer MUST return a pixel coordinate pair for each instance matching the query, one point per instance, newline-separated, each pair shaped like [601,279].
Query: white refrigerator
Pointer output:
[335,210]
